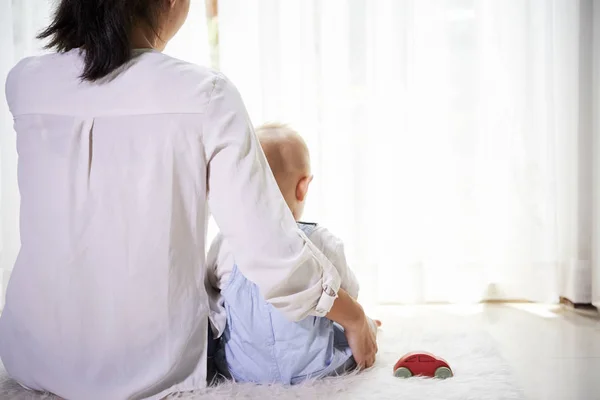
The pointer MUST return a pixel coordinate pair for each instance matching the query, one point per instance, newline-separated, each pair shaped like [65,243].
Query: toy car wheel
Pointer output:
[443,373]
[402,372]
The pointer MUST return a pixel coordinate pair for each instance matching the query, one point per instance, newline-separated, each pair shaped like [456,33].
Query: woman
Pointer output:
[121,150]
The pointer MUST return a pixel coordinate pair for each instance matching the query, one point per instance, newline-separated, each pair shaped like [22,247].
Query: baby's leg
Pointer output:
[217,369]
[341,348]
[339,336]
[211,368]
[342,351]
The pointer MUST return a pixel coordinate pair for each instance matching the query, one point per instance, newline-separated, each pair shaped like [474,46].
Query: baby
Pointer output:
[258,344]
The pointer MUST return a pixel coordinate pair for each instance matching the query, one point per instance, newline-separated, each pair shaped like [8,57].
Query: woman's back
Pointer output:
[113,210]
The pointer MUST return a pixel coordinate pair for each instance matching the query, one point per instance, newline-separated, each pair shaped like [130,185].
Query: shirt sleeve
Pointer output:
[269,249]
[333,248]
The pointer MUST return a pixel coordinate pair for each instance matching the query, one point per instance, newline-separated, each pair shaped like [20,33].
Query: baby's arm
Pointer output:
[219,264]
[212,262]
[333,248]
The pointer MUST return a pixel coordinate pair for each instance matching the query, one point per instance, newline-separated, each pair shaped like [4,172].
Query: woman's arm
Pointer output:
[360,333]
[270,250]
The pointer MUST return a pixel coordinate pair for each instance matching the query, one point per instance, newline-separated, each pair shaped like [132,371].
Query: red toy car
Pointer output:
[422,364]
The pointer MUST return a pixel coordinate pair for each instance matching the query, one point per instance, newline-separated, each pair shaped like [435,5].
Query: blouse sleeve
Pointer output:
[269,249]
[333,248]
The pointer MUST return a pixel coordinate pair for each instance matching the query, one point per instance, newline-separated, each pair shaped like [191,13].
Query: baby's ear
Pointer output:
[302,188]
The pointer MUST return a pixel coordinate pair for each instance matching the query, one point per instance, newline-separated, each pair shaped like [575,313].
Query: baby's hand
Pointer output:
[375,324]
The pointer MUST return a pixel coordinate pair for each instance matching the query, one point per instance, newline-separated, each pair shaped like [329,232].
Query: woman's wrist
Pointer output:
[357,319]
[346,311]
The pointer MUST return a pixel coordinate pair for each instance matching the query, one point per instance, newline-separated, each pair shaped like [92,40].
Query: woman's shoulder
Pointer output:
[160,65]
[187,82]
[22,78]
[173,67]
[198,84]
[152,82]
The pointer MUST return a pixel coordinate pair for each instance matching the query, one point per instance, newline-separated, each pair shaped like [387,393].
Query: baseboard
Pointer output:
[577,306]
[506,301]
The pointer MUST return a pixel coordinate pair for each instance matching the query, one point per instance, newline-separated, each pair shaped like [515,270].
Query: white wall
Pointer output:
[575,171]
[596,147]
[585,146]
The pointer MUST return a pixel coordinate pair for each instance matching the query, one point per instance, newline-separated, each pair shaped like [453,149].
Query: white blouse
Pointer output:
[107,297]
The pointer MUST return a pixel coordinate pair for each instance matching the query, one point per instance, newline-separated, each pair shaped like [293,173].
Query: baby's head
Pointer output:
[289,160]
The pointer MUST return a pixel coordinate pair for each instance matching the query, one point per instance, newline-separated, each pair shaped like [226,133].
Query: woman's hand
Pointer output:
[360,330]
[362,338]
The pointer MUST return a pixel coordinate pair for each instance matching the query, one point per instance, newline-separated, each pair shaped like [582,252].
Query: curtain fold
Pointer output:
[449,144]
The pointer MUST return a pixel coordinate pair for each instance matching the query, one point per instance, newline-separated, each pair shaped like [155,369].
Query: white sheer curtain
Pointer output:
[450,149]
[191,42]
[20,20]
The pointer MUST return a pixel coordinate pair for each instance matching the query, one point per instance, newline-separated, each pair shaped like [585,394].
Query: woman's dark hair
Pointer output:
[102,28]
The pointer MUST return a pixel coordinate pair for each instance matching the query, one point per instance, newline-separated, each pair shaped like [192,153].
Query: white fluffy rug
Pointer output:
[480,374]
